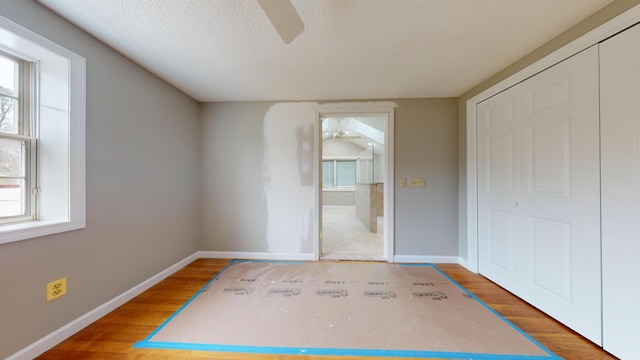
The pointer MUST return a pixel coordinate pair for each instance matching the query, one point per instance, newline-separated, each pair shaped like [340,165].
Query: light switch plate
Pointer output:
[417,182]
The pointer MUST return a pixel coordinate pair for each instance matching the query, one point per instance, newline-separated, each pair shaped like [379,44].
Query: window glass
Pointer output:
[338,174]
[12,158]
[13,189]
[9,115]
[12,197]
[345,174]
[327,174]
[8,76]
[9,97]
[15,146]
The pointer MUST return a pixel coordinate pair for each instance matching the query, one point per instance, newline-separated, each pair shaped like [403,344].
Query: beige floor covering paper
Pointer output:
[341,308]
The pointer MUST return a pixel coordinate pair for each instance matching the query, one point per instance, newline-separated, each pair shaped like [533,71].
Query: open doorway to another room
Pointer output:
[353,172]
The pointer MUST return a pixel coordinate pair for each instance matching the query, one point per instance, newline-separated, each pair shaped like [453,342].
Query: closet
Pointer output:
[558,191]
[538,191]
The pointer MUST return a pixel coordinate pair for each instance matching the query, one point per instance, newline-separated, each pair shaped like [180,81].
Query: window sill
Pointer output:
[339,189]
[32,229]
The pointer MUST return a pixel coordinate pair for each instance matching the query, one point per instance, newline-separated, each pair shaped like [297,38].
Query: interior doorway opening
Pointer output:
[353,169]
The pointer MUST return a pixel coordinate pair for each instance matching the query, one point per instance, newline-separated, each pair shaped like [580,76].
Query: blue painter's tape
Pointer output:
[187,303]
[416,264]
[334,352]
[551,355]
[146,344]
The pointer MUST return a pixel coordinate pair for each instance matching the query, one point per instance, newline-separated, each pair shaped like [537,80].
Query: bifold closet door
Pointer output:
[620,123]
[539,192]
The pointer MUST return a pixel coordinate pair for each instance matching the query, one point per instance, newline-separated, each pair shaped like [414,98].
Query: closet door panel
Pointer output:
[538,192]
[498,191]
[560,199]
[620,123]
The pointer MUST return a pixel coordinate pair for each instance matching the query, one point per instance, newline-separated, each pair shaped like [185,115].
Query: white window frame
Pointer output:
[26,133]
[60,124]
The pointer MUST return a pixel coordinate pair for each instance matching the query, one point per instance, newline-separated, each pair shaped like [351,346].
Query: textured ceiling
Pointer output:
[227,50]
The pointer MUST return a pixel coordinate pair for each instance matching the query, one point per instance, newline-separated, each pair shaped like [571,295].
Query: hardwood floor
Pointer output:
[113,336]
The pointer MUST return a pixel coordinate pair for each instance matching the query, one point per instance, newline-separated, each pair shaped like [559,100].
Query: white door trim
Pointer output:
[389,176]
[602,32]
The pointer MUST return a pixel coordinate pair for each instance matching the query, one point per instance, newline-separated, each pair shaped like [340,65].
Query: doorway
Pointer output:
[354,162]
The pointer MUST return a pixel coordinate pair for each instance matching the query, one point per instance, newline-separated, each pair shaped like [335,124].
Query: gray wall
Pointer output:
[607,13]
[234,205]
[146,143]
[426,219]
[143,186]
[235,211]
[258,177]
[336,148]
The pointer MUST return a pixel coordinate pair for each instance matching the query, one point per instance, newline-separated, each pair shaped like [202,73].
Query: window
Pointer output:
[338,174]
[17,144]
[328,174]
[42,136]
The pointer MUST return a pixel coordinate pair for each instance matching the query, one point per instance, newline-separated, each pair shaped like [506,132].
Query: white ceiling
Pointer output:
[227,50]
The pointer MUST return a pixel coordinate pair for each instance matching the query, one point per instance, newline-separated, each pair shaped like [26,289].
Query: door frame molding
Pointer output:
[600,33]
[347,109]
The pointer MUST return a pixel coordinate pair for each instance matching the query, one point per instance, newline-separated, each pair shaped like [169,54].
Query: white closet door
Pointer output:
[561,193]
[620,108]
[539,235]
[499,173]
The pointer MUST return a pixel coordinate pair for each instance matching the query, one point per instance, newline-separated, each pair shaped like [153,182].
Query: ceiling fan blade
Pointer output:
[341,136]
[284,18]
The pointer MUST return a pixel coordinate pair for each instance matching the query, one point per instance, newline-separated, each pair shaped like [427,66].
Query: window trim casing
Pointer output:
[62,80]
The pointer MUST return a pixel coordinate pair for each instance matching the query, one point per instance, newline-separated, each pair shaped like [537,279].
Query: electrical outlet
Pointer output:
[56,288]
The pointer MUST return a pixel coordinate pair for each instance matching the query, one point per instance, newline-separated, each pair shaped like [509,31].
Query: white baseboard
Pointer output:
[85,320]
[254,255]
[426,259]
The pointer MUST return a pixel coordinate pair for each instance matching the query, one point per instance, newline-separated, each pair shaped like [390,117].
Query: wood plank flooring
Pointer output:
[113,336]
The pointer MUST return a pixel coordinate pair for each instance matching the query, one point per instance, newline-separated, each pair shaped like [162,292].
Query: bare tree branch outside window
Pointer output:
[10,150]
[6,111]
